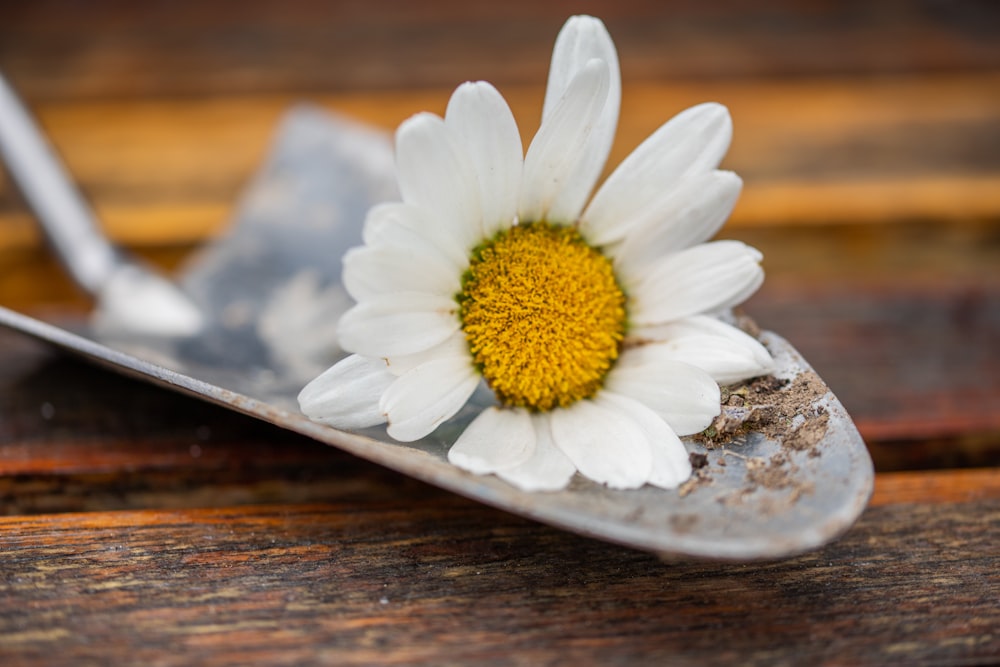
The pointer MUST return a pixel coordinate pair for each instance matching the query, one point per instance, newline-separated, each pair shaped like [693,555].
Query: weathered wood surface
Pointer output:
[904,149]
[149,526]
[146,527]
[443,581]
[116,48]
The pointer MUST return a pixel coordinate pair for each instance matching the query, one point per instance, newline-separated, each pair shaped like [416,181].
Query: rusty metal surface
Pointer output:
[787,473]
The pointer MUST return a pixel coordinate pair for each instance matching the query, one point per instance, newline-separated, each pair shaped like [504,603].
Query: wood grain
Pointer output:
[951,486]
[118,49]
[167,172]
[909,363]
[209,538]
[203,542]
[444,581]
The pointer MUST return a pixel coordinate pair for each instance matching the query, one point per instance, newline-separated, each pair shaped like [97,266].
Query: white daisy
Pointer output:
[593,323]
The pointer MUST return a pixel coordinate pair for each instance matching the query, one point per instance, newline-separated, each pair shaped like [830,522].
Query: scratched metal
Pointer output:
[271,291]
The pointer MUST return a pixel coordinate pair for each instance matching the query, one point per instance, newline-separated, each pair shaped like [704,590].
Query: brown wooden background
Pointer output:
[144,527]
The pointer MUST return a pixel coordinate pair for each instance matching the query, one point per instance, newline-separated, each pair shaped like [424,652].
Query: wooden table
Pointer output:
[144,527]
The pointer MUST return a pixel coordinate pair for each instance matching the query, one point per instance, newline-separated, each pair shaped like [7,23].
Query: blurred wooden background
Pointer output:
[868,136]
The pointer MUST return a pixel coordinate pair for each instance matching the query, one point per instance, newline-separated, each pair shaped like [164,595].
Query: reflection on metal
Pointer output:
[270,291]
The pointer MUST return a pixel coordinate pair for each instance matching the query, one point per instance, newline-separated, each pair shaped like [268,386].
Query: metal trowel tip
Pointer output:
[136,300]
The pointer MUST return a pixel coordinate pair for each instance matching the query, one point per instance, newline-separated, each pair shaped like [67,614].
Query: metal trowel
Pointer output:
[252,318]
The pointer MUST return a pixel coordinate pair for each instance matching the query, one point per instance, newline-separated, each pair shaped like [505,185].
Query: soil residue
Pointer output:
[775,473]
[809,434]
[699,477]
[698,461]
[781,410]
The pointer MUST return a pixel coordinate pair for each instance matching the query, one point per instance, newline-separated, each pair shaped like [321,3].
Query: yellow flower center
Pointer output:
[543,315]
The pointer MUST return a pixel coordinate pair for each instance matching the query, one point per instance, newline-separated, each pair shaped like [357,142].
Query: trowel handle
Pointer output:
[68,221]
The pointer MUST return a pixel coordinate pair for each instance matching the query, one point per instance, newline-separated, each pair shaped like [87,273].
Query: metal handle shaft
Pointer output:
[130,297]
[68,222]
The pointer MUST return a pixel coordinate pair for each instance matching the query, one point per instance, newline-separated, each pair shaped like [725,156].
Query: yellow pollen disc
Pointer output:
[543,315]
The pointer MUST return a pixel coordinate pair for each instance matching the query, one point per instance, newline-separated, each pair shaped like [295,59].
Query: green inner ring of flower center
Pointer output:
[543,315]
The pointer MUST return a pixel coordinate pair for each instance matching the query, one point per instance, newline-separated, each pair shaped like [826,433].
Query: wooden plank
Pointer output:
[166,172]
[951,486]
[394,571]
[445,581]
[109,473]
[908,363]
[61,49]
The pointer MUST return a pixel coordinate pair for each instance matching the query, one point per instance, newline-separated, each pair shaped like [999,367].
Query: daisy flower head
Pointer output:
[593,320]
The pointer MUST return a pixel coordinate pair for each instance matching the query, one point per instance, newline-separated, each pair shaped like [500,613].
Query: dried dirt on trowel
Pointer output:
[783,411]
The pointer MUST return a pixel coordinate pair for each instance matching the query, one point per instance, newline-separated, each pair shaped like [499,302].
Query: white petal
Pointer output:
[724,360]
[454,346]
[686,216]
[604,445]
[347,394]
[478,116]
[398,323]
[498,439]
[671,464]
[685,396]
[703,279]
[582,39]
[425,397]
[693,141]
[398,225]
[437,176]
[561,167]
[726,353]
[371,271]
[548,469]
